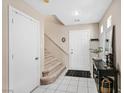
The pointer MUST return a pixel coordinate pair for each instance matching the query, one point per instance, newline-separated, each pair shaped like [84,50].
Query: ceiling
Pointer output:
[71,12]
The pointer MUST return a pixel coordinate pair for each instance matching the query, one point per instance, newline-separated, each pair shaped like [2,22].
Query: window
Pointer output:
[109,21]
[101,28]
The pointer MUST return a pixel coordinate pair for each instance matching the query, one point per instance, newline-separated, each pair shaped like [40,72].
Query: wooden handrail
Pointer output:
[56,44]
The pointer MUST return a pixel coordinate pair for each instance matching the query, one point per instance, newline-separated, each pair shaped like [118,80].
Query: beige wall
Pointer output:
[56,51]
[115,11]
[93,29]
[55,30]
[20,5]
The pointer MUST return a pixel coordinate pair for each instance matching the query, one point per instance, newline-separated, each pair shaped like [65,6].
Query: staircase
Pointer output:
[52,68]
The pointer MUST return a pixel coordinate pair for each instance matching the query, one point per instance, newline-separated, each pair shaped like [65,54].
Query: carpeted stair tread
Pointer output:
[52,61]
[56,69]
[49,58]
[51,78]
[51,67]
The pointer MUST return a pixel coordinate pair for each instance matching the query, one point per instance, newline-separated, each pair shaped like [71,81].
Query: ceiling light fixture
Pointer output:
[76,13]
[46,1]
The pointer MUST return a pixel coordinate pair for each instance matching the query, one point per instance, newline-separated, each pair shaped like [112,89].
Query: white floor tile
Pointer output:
[44,86]
[82,84]
[65,82]
[58,82]
[49,91]
[83,79]
[70,92]
[91,83]
[59,91]
[83,90]
[39,90]
[67,78]
[90,80]
[62,87]
[72,89]
[53,86]
[60,78]
[75,78]
[92,90]
[73,83]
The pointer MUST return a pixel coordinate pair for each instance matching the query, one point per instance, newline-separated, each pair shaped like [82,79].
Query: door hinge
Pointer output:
[12,20]
[12,56]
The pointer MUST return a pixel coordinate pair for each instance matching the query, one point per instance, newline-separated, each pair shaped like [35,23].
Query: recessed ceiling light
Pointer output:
[76,13]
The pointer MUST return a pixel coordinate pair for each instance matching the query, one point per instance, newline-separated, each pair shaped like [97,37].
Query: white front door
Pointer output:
[24,52]
[79,50]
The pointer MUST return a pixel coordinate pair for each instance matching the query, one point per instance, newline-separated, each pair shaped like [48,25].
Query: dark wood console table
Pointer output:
[101,70]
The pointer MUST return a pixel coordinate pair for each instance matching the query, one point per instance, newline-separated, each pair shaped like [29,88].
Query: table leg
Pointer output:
[99,83]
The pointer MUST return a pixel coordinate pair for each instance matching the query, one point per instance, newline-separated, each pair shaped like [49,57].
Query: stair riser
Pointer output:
[49,72]
[47,56]
[57,68]
[52,65]
[50,61]
[53,70]
[47,81]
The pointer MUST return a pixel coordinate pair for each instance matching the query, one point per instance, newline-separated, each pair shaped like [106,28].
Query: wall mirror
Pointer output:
[106,42]
[106,38]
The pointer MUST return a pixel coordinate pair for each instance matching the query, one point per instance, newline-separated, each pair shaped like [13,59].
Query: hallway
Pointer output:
[67,84]
[43,40]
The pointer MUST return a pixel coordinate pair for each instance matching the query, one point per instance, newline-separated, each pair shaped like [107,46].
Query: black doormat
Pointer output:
[78,73]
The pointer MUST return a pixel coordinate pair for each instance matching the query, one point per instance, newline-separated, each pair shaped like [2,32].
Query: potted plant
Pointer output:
[97,51]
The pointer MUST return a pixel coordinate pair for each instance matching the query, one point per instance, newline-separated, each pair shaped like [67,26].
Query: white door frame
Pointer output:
[69,44]
[11,10]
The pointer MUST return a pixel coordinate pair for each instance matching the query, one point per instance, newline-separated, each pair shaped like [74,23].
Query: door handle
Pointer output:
[36,58]
[71,52]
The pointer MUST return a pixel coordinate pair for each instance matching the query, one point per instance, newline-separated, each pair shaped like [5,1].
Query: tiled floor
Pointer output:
[66,84]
